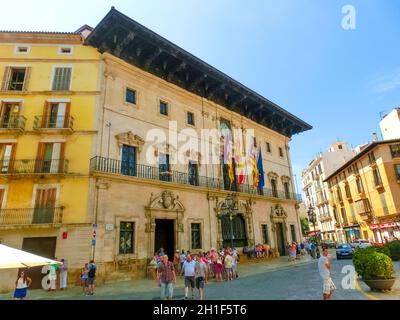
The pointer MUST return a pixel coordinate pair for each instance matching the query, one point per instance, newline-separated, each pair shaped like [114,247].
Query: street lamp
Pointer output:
[229,209]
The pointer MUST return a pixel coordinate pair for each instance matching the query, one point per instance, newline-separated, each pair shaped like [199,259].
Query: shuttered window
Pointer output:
[62,79]
[45,203]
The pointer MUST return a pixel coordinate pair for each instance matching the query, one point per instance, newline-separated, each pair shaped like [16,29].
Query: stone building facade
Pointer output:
[142,198]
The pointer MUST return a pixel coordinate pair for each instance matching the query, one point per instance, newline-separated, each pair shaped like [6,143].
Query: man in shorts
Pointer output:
[91,277]
[188,272]
[200,274]
[324,267]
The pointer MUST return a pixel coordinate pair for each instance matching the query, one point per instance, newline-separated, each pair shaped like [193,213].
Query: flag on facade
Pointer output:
[260,168]
[253,162]
[228,154]
[238,155]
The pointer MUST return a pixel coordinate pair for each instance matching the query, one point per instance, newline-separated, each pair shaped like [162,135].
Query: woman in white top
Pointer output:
[21,285]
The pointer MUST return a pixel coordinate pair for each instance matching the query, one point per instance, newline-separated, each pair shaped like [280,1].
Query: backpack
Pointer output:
[92,271]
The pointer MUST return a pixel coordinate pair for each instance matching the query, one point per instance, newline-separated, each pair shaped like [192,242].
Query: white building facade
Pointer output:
[316,192]
[390,125]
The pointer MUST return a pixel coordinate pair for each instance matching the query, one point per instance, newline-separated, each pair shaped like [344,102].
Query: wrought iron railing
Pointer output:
[114,166]
[27,216]
[29,166]
[12,122]
[53,122]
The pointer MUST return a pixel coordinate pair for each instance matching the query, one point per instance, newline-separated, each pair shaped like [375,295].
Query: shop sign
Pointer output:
[384,225]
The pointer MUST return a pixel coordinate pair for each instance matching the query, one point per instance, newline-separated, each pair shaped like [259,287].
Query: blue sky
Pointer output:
[294,52]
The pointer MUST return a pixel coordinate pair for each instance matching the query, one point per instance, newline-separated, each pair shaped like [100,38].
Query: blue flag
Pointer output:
[260,171]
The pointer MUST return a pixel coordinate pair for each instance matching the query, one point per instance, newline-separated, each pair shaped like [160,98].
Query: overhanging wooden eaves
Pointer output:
[127,39]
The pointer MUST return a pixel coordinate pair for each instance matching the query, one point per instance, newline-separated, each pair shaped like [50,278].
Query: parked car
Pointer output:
[328,244]
[360,244]
[343,251]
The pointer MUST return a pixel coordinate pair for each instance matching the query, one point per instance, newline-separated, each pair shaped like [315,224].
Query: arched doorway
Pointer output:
[238,229]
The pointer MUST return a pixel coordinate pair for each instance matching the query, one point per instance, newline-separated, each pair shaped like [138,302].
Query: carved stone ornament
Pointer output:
[278,213]
[285,179]
[166,201]
[129,138]
[272,175]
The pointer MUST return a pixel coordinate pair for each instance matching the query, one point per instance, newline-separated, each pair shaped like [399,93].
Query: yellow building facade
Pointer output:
[365,193]
[48,96]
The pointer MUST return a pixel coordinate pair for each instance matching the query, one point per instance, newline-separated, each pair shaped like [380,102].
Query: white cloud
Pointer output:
[387,82]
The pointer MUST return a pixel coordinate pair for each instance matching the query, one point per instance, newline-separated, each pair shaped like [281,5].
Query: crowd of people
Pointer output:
[197,268]
[298,250]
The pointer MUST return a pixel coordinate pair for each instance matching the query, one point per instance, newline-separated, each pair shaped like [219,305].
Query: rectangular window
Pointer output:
[65,50]
[397,171]
[287,191]
[45,203]
[360,187]
[50,158]
[264,232]
[196,235]
[268,147]
[22,49]
[7,153]
[371,157]
[347,189]
[363,206]
[255,142]
[293,233]
[62,79]
[9,115]
[344,216]
[163,108]
[280,152]
[130,96]
[339,194]
[395,150]
[15,78]
[55,115]
[190,118]
[126,237]
[384,203]
[377,178]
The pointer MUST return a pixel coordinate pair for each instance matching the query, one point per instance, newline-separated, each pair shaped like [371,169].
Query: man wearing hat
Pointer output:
[176,262]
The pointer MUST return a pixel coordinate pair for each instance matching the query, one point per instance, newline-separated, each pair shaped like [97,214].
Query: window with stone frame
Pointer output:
[264,232]
[195,229]
[293,233]
[397,171]
[15,78]
[126,237]
[395,150]
[62,79]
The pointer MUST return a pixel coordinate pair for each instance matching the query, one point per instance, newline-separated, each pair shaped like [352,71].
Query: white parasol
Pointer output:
[11,258]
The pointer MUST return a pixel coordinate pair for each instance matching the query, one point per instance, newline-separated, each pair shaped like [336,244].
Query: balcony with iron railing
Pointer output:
[33,167]
[14,123]
[30,216]
[55,124]
[122,168]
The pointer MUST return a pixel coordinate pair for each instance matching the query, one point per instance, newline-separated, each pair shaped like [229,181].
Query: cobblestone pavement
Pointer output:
[275,279]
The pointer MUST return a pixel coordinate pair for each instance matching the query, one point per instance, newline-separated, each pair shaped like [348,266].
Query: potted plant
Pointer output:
[376,269]
[394,249]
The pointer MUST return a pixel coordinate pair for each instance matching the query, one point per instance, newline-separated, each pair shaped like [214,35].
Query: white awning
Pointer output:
[11,258]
